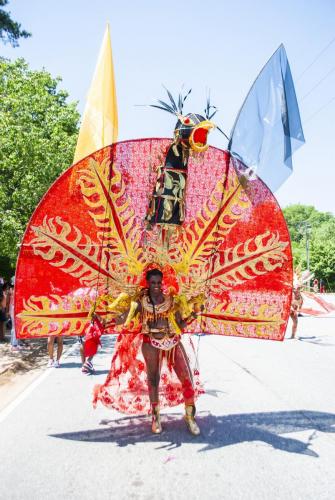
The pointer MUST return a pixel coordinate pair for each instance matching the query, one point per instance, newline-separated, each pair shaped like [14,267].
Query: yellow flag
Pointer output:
[99,125]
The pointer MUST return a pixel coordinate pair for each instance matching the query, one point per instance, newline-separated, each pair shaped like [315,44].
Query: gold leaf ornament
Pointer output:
[219,215]
[54,315]
[103,190]
[64,246]
[255,257]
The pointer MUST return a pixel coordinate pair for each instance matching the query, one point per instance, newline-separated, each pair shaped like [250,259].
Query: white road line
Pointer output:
[21,397]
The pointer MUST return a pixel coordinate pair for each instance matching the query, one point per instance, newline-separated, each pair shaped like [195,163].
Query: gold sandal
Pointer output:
[156,426]
[190,420]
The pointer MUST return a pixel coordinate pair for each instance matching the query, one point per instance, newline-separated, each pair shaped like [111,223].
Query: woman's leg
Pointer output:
[59,347]
[151,358]
[2,330]
[183,372]
[81,350]
[13,339]
[51,341]
[152,361]
[294,317]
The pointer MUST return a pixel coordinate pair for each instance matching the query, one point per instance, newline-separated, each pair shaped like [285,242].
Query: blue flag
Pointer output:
[268,128]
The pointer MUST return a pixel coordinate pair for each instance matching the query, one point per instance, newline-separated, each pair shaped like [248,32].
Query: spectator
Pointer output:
[51,342]
[315,286]
[3,316]
[296,305]
[13,340]
[322,286]
[87,365]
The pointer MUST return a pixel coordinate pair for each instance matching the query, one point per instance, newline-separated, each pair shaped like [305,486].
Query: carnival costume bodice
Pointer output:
[155,317]
[158,323]
[297,300]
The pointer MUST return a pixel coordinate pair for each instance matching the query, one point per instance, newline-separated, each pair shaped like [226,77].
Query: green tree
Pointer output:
[10,31]
[323,252]
[299,255]
[38,135]
[296,215]
[321,234]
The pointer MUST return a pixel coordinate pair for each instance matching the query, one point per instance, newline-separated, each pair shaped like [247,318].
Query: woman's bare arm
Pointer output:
[182,323]
[121,319]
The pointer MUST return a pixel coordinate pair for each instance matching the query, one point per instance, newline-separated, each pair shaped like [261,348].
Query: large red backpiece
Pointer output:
[88,237]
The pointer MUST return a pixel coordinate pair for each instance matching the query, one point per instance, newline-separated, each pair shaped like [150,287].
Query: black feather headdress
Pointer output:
[172,107]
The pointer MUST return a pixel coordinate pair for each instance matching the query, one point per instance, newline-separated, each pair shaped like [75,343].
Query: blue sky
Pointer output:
[212,44]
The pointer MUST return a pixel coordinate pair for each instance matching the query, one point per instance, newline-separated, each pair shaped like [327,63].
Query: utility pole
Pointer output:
[305,229]
[307,233]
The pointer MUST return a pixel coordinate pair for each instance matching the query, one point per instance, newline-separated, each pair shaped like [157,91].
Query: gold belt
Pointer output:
[166,343]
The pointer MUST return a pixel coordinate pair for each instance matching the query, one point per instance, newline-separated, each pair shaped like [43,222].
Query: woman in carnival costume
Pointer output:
[221,245]
[162,317]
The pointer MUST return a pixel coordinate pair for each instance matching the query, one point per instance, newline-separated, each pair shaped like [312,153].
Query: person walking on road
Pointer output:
[51,342]
[296,305]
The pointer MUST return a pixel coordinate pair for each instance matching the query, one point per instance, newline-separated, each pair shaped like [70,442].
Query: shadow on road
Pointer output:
[71,364]
[321,341]
[78,365]
[216,431]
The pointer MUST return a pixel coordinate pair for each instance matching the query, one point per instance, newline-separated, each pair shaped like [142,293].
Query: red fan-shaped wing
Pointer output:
[87,237]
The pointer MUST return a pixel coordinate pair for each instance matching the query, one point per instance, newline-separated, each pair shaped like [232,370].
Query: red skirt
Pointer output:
[125,388]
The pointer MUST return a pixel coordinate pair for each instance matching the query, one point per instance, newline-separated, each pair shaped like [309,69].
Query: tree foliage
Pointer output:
[297,215]
[10,31]
[323,252]
[38,136]
[305,221]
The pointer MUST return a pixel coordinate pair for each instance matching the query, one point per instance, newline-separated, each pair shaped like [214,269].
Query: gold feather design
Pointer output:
[219,215]
[65,246]
[52,315]
[247,260]
[103,190]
